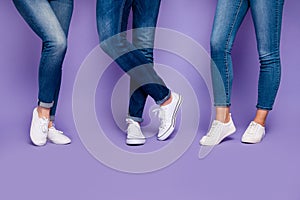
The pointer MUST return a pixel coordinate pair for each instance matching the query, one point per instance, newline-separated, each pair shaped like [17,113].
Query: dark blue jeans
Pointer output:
[50,20]
[135,58]
[267,17]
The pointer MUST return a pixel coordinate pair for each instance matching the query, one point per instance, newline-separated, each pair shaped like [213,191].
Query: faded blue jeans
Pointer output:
[135,58]
[267,18]
[50,20]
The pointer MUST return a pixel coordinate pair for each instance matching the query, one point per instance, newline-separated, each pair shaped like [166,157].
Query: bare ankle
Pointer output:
[50,124]
[260,122]
[43,112]
[227,119]
[168,101]
[261,117]
[223,114]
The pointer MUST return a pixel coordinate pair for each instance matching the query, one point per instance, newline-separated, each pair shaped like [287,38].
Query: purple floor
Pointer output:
[232,171]
[269,170]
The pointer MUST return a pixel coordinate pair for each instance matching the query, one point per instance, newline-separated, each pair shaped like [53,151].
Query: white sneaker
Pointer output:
[218,131]
[57,137]
[254,133]
[167,116]
[134,133]
[38,129]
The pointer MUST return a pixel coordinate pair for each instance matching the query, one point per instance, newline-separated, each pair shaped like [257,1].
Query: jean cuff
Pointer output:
[46,105]
[164,99]
[222,104]
[52,118]
[264,107]
[137,119]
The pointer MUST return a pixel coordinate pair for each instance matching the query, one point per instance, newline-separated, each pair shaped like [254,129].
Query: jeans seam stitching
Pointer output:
[226,47]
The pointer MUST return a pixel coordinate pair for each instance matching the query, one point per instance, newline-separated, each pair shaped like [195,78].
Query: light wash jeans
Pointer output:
[50,20]
[267,18]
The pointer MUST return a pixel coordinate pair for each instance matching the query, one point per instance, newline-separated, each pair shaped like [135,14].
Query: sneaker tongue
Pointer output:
[253,127]
[254,124]
[216,122]
[129,121]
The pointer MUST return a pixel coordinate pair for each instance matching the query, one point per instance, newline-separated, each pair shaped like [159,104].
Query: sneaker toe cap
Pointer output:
[205,141]
[62,139]
[250,139]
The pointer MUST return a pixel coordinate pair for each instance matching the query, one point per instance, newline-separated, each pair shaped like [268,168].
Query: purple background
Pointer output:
[269,170]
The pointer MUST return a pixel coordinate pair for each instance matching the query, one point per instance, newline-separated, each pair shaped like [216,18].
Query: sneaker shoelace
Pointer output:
[161,113]
[130,127]
[56,131]
[252,128]
[133,125]
[214,129]
[44,122]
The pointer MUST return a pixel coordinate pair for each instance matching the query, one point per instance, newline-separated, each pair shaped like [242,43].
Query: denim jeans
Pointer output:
[267,18]
[135,58]
[50,20]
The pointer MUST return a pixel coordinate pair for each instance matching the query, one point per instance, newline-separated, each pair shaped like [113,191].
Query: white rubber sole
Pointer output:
[252,141]
[135,141]
[60,143]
